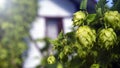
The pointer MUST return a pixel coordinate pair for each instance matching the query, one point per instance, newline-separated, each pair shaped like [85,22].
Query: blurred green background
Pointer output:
[15,19]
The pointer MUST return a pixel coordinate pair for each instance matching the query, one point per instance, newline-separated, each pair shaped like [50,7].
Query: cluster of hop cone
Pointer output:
[87,37]
[105,36]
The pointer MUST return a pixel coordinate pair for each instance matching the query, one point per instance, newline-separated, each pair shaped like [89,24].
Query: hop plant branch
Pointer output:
[83,5]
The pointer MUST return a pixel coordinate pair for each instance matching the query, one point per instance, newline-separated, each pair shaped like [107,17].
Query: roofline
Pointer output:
[94,1]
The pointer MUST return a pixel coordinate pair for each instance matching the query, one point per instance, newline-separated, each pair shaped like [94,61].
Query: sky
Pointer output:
[109,3]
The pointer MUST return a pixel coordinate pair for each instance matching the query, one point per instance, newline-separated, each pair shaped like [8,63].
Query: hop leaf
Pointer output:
[95,66]
[63,57]
[86,36]
[112,18]
[78,18]
[107,38]
[81,53]
[67,50]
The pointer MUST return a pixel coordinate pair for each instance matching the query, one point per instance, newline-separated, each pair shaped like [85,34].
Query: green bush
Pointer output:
[15,20]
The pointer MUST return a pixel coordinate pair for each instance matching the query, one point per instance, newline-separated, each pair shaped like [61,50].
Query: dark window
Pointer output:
[53,27]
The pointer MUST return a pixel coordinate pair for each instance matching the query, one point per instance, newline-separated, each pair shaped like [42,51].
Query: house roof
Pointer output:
[80,0]
[55,8]
[62,8]
[90,5]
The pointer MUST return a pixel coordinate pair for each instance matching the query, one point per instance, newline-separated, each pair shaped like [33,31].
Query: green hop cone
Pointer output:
[112,18]
[78,18]
[51,59]
[86,36]
[107,38]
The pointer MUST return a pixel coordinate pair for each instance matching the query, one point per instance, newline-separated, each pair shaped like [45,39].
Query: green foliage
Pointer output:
[94,42]
[15,21]
[116,6]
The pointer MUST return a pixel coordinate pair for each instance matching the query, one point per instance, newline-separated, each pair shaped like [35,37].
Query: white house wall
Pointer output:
[67,24]
[38,28]
[48,8]
[34,55]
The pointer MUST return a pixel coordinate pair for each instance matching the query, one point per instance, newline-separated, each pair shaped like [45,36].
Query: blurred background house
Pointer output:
[53,16]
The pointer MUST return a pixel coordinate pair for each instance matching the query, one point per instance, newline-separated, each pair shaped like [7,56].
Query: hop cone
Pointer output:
[112,18]
[86,36]
[51,59]
[78,18]
[107,38]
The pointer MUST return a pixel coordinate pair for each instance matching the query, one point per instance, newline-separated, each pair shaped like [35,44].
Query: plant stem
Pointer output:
[83,5]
